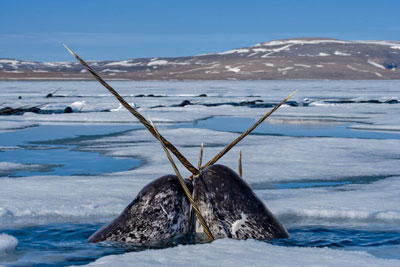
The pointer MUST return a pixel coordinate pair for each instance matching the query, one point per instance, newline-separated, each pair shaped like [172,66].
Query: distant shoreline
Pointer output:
[288,59]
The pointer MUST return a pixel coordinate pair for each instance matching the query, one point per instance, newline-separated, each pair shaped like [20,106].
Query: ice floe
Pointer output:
[9,167]
[229,252]
[15,125]
[8,244]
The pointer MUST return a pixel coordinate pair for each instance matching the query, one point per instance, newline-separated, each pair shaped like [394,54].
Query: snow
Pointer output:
[353,68]
[9,61]
[302,65]
[302,42]
[366,71]
[395,47]
[157,62]
[233,69]
[376,64]
[111,70]
[276,50]
[238,51]
[229,252]
[260,50]
[8,244]
[323,54]
[196,69]
[123,63]
[122,108]
[58,64]
[357,205]
[387,43]
[269,64]
[165,62]
[338,53]
[40,71]
[13,71]
[78,105]
[285,69]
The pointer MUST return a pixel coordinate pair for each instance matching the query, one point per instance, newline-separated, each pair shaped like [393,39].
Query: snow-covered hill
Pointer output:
[305,58]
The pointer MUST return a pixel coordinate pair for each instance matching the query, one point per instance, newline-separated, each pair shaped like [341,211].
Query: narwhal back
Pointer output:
[231,209]
[159,213]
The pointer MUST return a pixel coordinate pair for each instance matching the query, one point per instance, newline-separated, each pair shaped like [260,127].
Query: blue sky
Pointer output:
[117,29]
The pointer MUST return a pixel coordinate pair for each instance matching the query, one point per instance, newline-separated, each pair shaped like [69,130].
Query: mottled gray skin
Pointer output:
[159,213]
[231,209]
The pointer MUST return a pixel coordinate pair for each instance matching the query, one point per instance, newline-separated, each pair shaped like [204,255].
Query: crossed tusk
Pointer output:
[170,146]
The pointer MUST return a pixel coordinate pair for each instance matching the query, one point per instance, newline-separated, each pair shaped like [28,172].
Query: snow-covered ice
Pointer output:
[229,252]
[7,244]
[368,197]
[15,125]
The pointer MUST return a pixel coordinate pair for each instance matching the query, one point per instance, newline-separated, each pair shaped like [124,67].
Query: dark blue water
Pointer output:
[363,179]
[374,242]
[54,148]
[323,129]
[66,244]
[308,184]
[57,245]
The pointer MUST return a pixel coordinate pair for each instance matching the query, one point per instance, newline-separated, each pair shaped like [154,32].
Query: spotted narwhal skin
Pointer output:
[231,209]
[160,212]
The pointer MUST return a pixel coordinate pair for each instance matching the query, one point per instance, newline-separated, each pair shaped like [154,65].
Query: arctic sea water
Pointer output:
[314,139]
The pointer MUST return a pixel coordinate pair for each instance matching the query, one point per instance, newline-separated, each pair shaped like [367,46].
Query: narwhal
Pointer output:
[215,202]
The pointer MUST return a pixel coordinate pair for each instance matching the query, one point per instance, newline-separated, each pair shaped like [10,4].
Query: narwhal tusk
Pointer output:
[244,134]
[58,89]
[200,157]
[170,146]
[240,164]
[185,188]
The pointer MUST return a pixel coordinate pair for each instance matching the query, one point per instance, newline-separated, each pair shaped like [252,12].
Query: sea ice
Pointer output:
[8,244]
[230,252]
[370,167]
